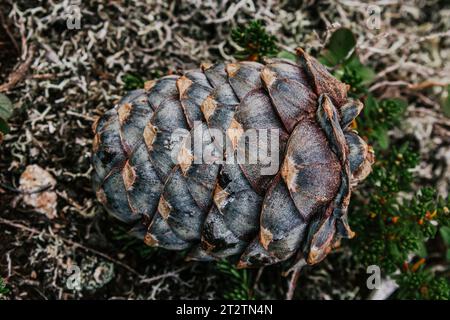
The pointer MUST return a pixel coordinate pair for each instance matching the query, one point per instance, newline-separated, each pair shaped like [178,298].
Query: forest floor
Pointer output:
[73,76]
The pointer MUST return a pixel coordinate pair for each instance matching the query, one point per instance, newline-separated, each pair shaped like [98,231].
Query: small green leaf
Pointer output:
[422,250]
[3,289]
[370,103]
[6,107]
[382,137]
[4,128]
[445,234]
[342,43]
[287,55]
[366,74]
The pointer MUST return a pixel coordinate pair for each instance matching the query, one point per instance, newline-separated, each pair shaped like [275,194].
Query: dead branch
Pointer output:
[169,274]
[70,243]
[20,72]
[295,274]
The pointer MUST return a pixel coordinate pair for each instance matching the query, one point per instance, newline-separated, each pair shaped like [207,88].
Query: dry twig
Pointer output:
[69,242]
[20,72]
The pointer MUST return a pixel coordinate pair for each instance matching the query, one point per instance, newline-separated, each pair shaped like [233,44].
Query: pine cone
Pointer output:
[147,171]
